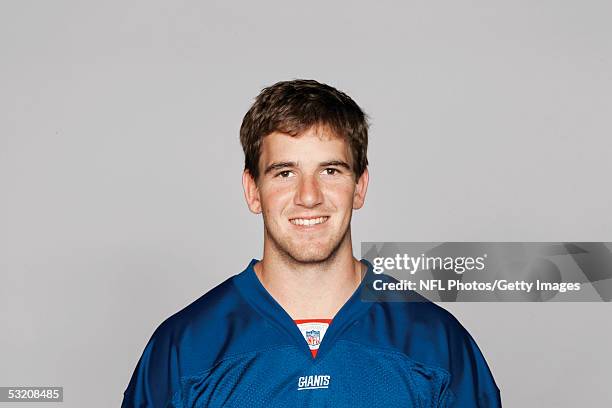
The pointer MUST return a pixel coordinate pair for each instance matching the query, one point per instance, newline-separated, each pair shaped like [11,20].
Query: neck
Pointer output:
[311,290]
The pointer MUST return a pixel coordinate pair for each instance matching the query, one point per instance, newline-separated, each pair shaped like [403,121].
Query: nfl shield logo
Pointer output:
[313,337]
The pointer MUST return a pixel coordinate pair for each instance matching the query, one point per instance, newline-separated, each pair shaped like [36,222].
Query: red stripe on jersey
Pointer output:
[328,321]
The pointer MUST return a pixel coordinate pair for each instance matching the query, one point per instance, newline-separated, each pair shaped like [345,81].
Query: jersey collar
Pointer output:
[259,298]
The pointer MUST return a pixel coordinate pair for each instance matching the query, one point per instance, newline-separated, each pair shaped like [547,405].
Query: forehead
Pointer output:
[314,144]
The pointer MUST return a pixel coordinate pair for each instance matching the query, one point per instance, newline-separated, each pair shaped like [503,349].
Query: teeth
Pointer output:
[312,221]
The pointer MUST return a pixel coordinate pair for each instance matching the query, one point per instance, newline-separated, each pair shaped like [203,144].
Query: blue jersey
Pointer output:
[237,347]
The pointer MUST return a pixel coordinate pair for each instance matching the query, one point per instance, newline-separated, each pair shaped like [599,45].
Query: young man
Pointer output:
[292,330]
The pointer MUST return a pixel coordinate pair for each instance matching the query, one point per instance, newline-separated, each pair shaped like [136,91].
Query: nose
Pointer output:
[308,192]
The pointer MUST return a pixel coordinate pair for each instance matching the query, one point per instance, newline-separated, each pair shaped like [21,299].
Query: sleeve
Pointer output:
[155,382]
[472,384]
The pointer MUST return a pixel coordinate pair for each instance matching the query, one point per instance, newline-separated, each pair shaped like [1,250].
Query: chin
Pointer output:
[311,253]
[306,250]
[309,257]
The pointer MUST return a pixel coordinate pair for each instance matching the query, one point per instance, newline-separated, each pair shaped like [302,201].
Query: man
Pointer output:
[292,330]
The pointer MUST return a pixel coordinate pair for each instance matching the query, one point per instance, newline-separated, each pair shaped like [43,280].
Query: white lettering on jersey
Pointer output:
[313,382]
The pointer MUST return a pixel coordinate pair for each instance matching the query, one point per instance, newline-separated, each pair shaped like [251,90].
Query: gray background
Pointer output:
[120,165]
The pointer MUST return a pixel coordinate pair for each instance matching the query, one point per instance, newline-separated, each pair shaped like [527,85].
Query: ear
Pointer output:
[251,192]
[361,189]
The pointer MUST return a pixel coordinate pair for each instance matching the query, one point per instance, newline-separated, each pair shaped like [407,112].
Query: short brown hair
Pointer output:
[293,107]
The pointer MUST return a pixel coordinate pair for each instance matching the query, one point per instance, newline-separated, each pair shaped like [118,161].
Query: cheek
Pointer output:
[342,196]
[274,199]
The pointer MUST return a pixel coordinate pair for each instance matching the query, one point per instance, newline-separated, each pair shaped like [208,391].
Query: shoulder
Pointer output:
[418,328]
[403,319]
[207,330]
[188,343]
[430,335]
[211,309]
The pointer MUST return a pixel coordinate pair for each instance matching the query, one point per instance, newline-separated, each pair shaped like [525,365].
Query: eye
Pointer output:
[285,174]
[330,171]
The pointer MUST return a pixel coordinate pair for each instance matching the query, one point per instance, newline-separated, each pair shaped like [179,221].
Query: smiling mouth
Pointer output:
[308,221]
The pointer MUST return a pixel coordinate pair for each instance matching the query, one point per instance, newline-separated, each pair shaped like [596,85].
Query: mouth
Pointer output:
[309,221]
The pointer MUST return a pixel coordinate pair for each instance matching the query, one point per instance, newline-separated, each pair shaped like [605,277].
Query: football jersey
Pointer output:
[237,347]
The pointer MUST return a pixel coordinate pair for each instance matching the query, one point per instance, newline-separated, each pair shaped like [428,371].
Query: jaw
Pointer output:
[307,244]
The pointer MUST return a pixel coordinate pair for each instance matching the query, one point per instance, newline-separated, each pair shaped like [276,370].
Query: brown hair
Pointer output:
[293,107]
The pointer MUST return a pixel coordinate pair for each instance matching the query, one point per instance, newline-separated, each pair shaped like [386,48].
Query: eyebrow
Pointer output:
[279,165]
[282,165]
[338,163]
